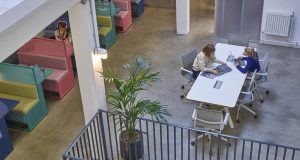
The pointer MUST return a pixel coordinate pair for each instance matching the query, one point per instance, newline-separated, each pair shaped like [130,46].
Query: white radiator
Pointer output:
[278,24]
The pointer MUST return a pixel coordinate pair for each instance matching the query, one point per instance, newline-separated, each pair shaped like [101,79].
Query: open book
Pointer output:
[222,69]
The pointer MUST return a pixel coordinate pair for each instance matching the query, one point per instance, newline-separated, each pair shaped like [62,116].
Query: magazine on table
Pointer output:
[222,69]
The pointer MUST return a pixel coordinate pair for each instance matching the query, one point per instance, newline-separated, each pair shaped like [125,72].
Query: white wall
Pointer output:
[285,6]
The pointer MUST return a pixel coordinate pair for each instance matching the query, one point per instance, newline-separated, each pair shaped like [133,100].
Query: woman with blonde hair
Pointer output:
[204,59]
[251,59]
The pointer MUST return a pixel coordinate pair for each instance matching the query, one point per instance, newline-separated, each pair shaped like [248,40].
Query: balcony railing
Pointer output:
[162,141]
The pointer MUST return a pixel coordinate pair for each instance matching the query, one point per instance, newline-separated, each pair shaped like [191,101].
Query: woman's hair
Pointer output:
[208,49]
[250,52]
[62,24]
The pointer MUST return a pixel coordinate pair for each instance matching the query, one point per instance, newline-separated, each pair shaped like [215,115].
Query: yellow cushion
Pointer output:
[104,21]
[18,89]
[103,31]
[24,105]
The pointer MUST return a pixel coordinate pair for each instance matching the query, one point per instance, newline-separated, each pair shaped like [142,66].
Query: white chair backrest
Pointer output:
[188,60]
[208,119]
[252,81]
[265,63]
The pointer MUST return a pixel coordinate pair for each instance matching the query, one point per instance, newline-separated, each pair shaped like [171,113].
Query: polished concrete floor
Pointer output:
[153,37]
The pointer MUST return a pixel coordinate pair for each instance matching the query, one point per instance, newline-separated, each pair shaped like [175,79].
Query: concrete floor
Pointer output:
[153,37]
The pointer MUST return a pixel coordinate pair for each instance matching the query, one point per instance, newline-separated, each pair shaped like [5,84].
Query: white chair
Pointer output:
[262,75]
[209,120]
[186,70]
[246,97]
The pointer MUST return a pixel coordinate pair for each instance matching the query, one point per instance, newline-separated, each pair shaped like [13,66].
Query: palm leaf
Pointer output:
[124,99]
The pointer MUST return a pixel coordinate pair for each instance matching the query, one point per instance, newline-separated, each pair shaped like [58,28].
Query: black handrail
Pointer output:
[98,140]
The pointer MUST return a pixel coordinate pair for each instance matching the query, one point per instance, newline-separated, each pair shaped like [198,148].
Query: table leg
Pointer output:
[230,119]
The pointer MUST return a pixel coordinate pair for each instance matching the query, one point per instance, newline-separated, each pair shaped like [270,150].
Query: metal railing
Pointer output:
[100,140]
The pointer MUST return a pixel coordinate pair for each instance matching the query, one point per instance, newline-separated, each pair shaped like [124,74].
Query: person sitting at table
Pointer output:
[204,59]
[62,31]
[251,59]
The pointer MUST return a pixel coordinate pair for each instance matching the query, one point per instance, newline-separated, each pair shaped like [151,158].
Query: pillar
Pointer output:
[183,16]
[90,83]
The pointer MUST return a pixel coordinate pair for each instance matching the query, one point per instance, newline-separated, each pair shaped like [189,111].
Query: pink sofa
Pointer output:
[123,18]
[55,55]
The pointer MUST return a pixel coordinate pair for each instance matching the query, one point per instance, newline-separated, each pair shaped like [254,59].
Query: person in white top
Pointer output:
[205,58]
[62,32]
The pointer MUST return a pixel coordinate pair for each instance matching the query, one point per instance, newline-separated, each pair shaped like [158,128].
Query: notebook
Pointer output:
[222,69]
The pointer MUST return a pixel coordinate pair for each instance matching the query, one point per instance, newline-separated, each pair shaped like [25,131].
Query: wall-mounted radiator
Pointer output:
[278,24]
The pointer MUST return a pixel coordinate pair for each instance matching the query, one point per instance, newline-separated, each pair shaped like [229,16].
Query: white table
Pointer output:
[203,88]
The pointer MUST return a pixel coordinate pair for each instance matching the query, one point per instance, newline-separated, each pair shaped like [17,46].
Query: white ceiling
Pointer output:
[6,5]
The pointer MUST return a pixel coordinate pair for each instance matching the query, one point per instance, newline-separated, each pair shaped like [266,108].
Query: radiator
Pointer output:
[278,24]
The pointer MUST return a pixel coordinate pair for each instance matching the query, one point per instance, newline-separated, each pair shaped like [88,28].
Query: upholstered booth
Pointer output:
[54,55]
[137,7]
[123,19]
[105,11]
[23,84]
[106,31]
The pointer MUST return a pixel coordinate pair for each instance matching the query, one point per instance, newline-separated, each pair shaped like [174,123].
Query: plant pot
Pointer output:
[131,148]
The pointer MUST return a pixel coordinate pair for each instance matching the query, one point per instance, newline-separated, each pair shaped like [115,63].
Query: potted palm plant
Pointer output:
[126,103]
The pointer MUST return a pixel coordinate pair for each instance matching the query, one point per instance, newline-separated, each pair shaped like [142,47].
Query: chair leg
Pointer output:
[260,96]
[238,114]
[246,108]
[187,87]
[193,141]
[224,139]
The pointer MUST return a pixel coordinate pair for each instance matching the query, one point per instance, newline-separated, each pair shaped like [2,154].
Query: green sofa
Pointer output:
[24,84]
[107,33]
[28,111]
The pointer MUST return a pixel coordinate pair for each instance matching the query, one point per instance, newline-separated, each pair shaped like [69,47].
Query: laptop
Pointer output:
[222,69]
[239,61]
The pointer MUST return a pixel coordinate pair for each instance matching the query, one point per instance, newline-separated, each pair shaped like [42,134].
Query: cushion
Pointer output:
[57,74]
[51,83]
[121,14]
[135,1]
[104,31]
[25,104]
[43,61]
[18,89]
[104,21]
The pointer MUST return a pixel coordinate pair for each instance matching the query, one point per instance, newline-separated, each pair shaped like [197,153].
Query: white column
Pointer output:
[183,16]
[91,85]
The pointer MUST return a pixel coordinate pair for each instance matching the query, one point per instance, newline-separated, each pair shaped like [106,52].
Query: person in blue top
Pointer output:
[251,59]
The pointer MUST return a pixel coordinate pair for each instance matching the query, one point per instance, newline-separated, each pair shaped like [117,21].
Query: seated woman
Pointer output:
[251,59]
[62,31]
[205,58]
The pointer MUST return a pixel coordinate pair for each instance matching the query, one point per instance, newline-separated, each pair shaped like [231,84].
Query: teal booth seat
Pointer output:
[24,84]
[105,11]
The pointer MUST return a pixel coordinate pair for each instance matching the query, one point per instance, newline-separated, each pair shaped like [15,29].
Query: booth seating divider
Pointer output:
[137,7]
[24,84]
[106,31]
[123,18]
[55,55]
[105,11]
